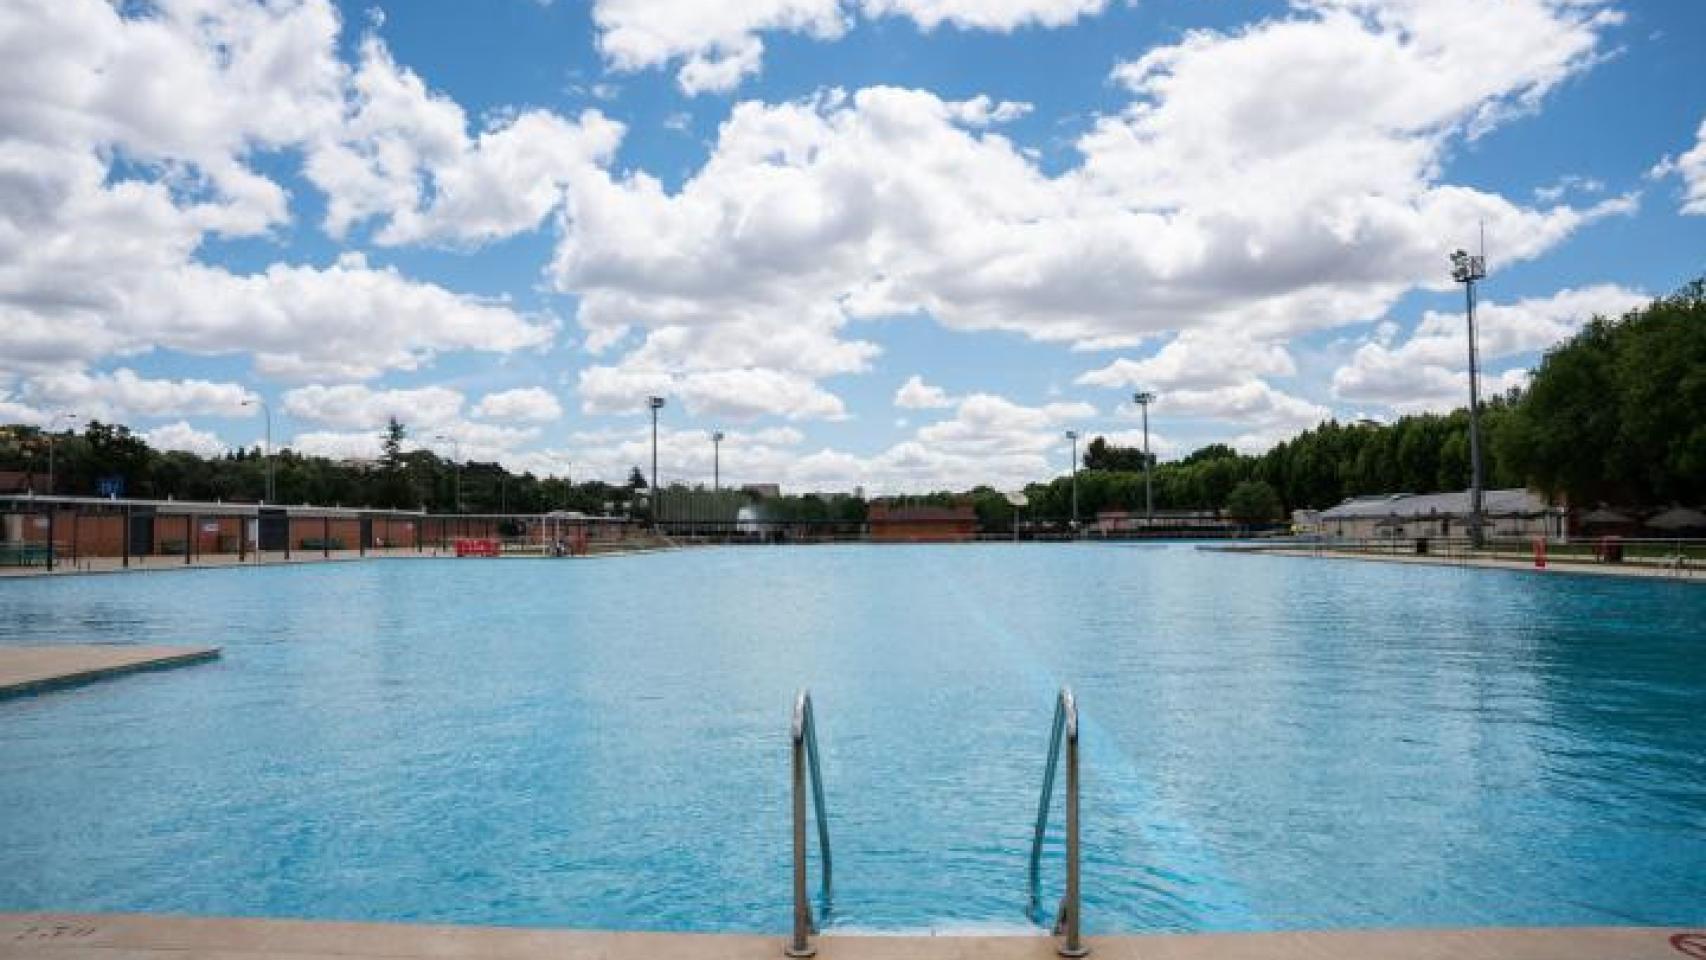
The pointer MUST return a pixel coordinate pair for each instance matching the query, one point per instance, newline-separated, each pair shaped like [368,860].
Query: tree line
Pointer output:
[1616,414]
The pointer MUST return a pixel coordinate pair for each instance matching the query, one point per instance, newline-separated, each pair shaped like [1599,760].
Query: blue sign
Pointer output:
[110,487]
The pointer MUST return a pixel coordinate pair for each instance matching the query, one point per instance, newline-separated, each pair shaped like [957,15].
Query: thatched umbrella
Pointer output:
[1678,520]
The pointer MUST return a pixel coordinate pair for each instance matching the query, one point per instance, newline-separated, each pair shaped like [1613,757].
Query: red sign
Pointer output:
[476,547]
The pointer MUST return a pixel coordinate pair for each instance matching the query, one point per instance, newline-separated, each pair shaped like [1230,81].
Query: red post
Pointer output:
[1539,553]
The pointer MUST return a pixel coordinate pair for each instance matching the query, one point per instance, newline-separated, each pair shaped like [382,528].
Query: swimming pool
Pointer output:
[1269,743]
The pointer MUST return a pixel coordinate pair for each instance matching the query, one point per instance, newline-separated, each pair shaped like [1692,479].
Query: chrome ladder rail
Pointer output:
[1067,919]
[804,750]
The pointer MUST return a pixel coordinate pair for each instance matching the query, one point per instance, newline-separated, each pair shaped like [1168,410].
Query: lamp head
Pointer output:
[1072,434]
[656,403]
[1466,267]
[716,436]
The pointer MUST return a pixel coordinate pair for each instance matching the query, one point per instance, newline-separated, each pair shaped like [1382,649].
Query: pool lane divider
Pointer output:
[26,671]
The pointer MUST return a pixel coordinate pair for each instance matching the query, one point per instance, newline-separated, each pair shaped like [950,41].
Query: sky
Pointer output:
[901,245]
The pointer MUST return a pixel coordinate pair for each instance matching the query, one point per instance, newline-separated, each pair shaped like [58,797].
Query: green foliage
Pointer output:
[411,479]
[1254,501]
[1617,414]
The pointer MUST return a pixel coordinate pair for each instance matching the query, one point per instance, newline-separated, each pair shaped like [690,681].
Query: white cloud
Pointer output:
[740,393]
[357,406]
[1429,371]
[809,216]
[123,394]
[1690,167]
[402,154]
[531,404]
[1197,358]
[915,394]
[1252,404]
[97,259]
[719,44]
[182,436]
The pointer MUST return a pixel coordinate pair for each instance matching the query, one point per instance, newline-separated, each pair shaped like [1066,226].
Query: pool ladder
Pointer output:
[804,738]
[1066,919]
[805,761]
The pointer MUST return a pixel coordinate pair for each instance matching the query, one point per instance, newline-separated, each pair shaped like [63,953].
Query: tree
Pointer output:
[636,479]
[1254,501]
[395,487]
[1618,412]
[395,434]
[1102,455]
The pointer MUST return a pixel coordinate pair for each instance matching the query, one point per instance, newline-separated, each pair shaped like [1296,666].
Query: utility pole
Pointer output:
[1467,269]
[655,404]
[716,461]
[1073,436]
[271,491]
[456,448]
[52,444]
[1144,398]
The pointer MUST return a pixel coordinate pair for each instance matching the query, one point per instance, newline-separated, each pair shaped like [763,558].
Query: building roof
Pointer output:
[1494,503]
[216,507]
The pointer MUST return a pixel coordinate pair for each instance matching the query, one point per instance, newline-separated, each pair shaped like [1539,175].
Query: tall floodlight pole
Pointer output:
[655,404]
[52,438]
[716,461]
[1467,269]
[456,451]
[271,493]
[1073,436]
[1144,398]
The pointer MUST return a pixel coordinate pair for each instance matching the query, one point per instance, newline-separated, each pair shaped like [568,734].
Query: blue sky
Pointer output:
[898,244]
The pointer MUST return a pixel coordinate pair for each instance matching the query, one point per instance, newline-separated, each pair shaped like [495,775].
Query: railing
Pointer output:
[1676,557]
[804,737]
[1068,916]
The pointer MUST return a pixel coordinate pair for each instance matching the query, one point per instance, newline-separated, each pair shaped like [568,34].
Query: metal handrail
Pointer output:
[1067,918]
[804,750]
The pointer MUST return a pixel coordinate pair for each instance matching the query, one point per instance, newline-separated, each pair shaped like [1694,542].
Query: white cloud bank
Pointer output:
[812,216]
[1429,371]
[127,141]
[1260,183]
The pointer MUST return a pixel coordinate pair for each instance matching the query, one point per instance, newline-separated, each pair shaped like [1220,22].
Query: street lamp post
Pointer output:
[456,451]
[655,404]
[52,443]
[1144,398]
[271,492]
[1073,436]
[1467,269]
[716,461]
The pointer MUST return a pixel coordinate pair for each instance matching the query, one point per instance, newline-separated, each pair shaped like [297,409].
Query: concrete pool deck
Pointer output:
[55,936]
[25,670]
[1555,567]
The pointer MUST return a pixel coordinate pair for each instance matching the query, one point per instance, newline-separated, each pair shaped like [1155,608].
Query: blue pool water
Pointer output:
[1269,743]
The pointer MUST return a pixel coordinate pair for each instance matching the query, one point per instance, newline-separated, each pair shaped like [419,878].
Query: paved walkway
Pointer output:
[274,558]
[33,669]
[106,937]
[1692,574]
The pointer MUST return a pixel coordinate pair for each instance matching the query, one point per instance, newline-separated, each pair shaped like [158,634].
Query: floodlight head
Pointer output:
[1145,397]
[656,403]
[1467,268]
[716,436]
[1072,434]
